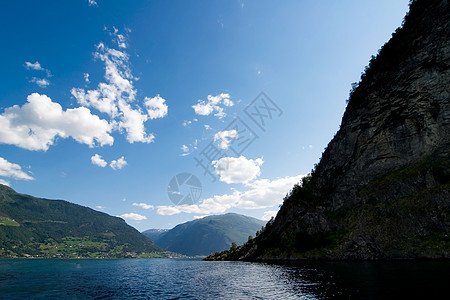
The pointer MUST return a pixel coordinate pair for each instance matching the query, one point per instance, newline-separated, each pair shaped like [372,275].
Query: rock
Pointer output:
[382,187]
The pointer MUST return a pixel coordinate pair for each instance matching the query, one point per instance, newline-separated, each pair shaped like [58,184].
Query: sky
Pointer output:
[161,112]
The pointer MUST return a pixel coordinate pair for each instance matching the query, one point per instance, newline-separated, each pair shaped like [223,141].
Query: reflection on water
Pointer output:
[195,279]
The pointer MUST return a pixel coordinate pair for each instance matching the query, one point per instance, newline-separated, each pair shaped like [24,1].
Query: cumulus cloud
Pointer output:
[98,161]
[41,82]
[99,207]
[117,96]
[213,104]
[119,85]
[269,214]
[12,170]
[156,107]
[225,137]
[237,169]
[262,193]
[144,205]
[114,164]
[186,123]
[92,3]
[36,125]
[133,217]
[34,66]
[39,122]
[133,122]
[118,164]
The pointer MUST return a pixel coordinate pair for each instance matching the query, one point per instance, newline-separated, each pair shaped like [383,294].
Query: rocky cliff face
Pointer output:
[382,187]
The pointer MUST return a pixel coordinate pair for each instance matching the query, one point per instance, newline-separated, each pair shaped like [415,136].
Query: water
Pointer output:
[196,279]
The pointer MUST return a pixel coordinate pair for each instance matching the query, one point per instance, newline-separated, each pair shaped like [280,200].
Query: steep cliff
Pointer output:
[382,187]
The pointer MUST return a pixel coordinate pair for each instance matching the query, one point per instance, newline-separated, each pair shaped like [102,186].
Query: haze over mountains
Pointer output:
[36,227]
[206,235]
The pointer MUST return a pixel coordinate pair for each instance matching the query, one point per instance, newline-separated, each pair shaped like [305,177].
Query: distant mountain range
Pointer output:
[155,234]
[35,227]
[207,235]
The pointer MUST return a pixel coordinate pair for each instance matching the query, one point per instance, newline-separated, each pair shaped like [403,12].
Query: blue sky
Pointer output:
[103,102]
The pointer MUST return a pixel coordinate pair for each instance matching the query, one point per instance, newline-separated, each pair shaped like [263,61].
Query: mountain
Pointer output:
[209,234]
[38,227]
[154,234]
[382,187]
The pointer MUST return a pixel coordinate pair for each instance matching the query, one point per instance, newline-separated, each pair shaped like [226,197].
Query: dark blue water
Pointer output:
[196,279]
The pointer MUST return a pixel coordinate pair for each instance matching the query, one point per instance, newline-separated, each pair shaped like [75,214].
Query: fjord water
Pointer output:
[196,279]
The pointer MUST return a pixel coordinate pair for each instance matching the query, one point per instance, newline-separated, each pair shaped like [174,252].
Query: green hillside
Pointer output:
[209,234]
[36,227]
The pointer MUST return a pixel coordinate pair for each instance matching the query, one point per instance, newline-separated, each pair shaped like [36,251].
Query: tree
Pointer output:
[233,246]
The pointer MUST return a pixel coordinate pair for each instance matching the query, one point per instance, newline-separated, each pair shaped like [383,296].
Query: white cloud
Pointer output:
[266,193]
[37,124]
[133,217]
[99,207]
[98,161]
[12,170]
[120,39]
[119,84]
[237,169]
[4,182]
[262,193]
[92,3]
[215,204]
[224,137]
[37,67]
[156,107]
[117,96]
[34,66]
[213,104]
[118,164]
[114,164]
[207,127]
[41,82]
[133,122]
[184,148]
[269,214]
[189,149]
[202,108]
[186,123]
[144,205]
[86,77]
